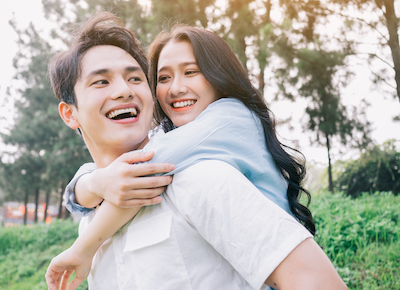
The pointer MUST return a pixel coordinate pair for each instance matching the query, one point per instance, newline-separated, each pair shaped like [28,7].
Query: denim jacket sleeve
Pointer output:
[69,194]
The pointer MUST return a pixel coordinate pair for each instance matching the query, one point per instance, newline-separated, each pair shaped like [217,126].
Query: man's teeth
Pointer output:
[183,104]
[131,111]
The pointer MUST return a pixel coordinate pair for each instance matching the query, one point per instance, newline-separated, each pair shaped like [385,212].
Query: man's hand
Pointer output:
[123,184]
[62,267]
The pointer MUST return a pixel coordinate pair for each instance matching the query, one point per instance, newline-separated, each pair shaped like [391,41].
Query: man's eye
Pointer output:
[135,79]
[100,82]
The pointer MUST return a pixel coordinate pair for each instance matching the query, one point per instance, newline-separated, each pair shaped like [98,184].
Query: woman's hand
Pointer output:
[62,267]
[124,182]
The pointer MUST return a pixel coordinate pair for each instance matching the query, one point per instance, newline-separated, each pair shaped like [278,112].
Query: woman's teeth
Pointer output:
[183,104]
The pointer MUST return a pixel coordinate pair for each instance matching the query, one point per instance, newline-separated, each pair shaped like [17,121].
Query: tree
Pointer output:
[374,16]
[327,116]
[313,70]
[22,179]
[47,151]
[308,67]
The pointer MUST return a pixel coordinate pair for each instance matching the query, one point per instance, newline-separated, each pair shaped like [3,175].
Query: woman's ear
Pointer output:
[67,114]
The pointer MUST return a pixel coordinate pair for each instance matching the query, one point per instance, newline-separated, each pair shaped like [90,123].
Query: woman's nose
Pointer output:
[177,88]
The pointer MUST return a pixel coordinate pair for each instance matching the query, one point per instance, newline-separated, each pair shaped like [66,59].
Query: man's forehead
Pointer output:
[105,59]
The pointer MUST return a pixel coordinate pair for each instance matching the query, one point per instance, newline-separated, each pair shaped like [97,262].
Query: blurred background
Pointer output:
[329,69]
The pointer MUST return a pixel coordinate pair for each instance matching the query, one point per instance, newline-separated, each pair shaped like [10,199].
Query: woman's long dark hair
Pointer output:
[220,66]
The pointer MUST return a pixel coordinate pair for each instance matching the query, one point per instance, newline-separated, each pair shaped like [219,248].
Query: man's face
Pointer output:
[115,105]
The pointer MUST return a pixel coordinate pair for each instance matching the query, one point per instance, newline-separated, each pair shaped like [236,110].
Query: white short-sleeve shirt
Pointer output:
[213,230]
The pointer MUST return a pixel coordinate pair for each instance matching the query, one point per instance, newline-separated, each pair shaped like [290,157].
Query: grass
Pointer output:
[361,237]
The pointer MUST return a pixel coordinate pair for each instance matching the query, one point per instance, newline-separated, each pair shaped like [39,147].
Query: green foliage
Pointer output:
[26,252]
[361,237]
[377,169]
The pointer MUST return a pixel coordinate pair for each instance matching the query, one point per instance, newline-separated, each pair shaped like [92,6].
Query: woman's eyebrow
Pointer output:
[182,64]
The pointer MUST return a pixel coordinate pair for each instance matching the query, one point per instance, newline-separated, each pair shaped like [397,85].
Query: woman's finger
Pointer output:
[148,169]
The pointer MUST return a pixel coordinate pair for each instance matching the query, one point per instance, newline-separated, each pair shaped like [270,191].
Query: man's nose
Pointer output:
[121,90]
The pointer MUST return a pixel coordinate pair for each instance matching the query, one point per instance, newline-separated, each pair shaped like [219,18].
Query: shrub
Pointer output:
[377,169]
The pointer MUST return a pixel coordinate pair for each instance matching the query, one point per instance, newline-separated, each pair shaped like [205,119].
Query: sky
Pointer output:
[380,113]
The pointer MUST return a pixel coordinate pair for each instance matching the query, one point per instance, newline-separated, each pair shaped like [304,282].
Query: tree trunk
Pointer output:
[328,146]
[242,52]
[46,205]
[392,25]
[60,206]
[261,81]
[26,208]
[67,214]
[36,204]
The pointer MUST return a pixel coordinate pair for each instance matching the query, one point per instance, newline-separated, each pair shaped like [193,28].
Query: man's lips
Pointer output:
[122,113]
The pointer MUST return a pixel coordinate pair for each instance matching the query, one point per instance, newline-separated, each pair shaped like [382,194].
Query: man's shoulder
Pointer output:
[208,169]
[208,180]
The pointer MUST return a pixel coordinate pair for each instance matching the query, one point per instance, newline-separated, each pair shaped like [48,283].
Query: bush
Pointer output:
[377,169]
[25,253]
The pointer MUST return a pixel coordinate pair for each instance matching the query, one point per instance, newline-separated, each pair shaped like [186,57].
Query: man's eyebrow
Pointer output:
[133,68]
[97,72]
[181,64]
[106,70]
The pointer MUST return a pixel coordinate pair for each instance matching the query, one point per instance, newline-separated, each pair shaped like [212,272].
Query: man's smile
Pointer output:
[119,114]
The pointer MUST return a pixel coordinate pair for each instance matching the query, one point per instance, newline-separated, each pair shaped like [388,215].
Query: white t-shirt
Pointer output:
[213,230]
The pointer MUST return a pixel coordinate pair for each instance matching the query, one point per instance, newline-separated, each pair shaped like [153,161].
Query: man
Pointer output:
[213,230]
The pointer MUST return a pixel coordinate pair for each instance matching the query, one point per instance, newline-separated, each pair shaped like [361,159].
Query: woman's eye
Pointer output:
[162,79]
[190,72]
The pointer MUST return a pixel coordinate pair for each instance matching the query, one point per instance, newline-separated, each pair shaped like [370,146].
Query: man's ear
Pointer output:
[67,114]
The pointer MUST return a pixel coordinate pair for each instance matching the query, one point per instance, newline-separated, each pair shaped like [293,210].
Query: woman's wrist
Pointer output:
[82,250]
[86,192]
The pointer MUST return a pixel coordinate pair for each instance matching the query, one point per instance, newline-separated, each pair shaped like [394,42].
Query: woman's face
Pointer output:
[182,90]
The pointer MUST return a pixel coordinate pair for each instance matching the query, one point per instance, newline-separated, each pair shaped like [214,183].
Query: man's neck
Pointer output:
[105,156]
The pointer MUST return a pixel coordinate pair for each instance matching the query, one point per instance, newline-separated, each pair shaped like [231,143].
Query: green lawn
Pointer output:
[361,237]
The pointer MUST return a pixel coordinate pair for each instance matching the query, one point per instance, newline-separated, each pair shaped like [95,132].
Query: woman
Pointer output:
[219,247]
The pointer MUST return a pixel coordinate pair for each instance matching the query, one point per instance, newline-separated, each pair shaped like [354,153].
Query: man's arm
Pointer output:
[257,237]
[306,267]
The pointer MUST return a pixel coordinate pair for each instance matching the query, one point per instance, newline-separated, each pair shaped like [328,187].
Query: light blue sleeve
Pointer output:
[69,194]
[227,131]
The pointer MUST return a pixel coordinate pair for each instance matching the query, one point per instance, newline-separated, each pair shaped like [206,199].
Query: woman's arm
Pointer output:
[124,182]
[78,258]
[306,267]
[109,218]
